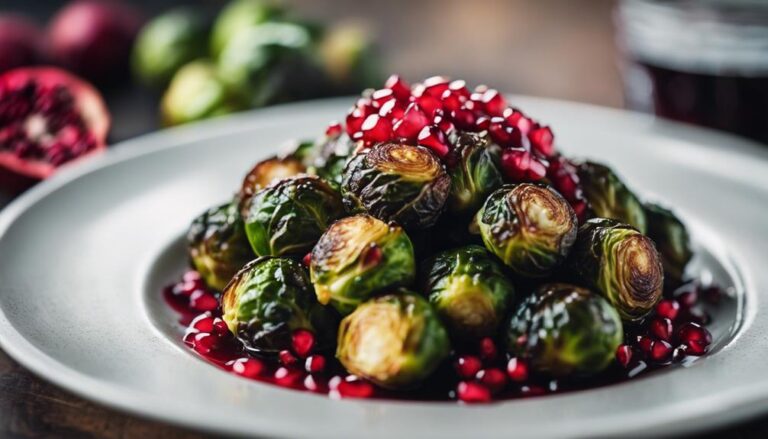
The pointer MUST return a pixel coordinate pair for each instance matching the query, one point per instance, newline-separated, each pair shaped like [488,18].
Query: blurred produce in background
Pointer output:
[192,63]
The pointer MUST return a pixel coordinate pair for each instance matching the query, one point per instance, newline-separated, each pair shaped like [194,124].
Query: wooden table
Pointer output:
[553,48]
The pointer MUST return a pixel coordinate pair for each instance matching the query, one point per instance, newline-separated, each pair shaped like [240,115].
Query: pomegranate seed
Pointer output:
[302,342]
[288,377]
[451,101]
[315,364]
[220,327]
[661,328]
[645,344]
[307,259]
[542,141]
[192,276]
[203,301]
[624,355]
[488,349]
[435,86]
[696,314]
[434,139]
[517,370]
[472,392]
[350,387]
[287,358]
[493,379]
[504,134]
[517,119]
[399,87]
[519,165]
[413,121]
[186,288]
[357,115]
[483,123]
[334,130]
[429,105]
[373,256]
[204,343]
[467,366]
[687,298]
[379,97]
[247,367]
[493,102]
[376,129]
[392,111]
[203,323]
[661,351]
[464,119]
[695,337]
[459,87]
[668,308]
[313,384]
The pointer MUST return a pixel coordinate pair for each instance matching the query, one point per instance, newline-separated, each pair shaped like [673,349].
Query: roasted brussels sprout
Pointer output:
[168,42]
[620,263]
[609,197]
[565,330]
[347,54]
[327,157]
[264,173]
[288,216]
[397,182]
[217,244]
[475,175]
[395,340]
[240,15]
[469,291]
[357,256]
[671,238]
[530,227]
[269,299]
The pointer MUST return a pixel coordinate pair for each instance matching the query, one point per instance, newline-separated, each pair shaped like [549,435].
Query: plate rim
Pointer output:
[127,400]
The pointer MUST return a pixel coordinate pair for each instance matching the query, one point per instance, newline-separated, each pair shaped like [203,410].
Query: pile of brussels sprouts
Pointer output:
[254,54]
[393,257]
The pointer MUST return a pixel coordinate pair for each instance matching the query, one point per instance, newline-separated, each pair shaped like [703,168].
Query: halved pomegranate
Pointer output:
[47,118]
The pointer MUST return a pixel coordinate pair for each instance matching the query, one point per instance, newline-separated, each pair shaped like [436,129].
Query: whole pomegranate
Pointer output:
[47,118]
[21,42]
[94,38]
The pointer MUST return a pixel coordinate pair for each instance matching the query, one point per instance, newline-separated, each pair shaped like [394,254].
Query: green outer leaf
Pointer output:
[565,330]
[671,238]
[290,215]
[217,245]
[519,236]
[353,282]
[469,290]
[596,262]
[609,197]
[476,175]
[269,299]
[237,16]
[418,342]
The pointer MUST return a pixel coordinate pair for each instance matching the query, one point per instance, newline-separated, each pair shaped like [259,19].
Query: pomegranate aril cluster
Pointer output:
[41,123]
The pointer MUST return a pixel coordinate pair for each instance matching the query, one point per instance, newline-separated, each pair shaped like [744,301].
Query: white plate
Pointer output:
[83,256]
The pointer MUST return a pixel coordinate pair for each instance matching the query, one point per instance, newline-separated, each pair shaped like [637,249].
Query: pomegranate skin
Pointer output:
[21,42]
[94,38]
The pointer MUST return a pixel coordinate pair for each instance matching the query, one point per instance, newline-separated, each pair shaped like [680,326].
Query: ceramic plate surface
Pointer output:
[83,258]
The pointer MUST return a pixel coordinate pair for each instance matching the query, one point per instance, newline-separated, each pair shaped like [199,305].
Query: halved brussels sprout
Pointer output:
[269,299]
[264,173]
[530,227]
[358,256]
[565,330]
[397,182]
[469,290]
[476,174]
[609,197]
[217,245]
[620,263]
[328,156]
[671,238]
[395,340]
[288,216]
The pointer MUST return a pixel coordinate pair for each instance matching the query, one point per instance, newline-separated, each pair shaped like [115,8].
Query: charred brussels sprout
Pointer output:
[268,300]
[469,291]
[397,182]
[565,330]
[476,174]
[328,156]
[264,173]
[217,245]
[358,256]
[620,263]
[671,238]
[395,340]
[288,216]
[609,197]
[530,227]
